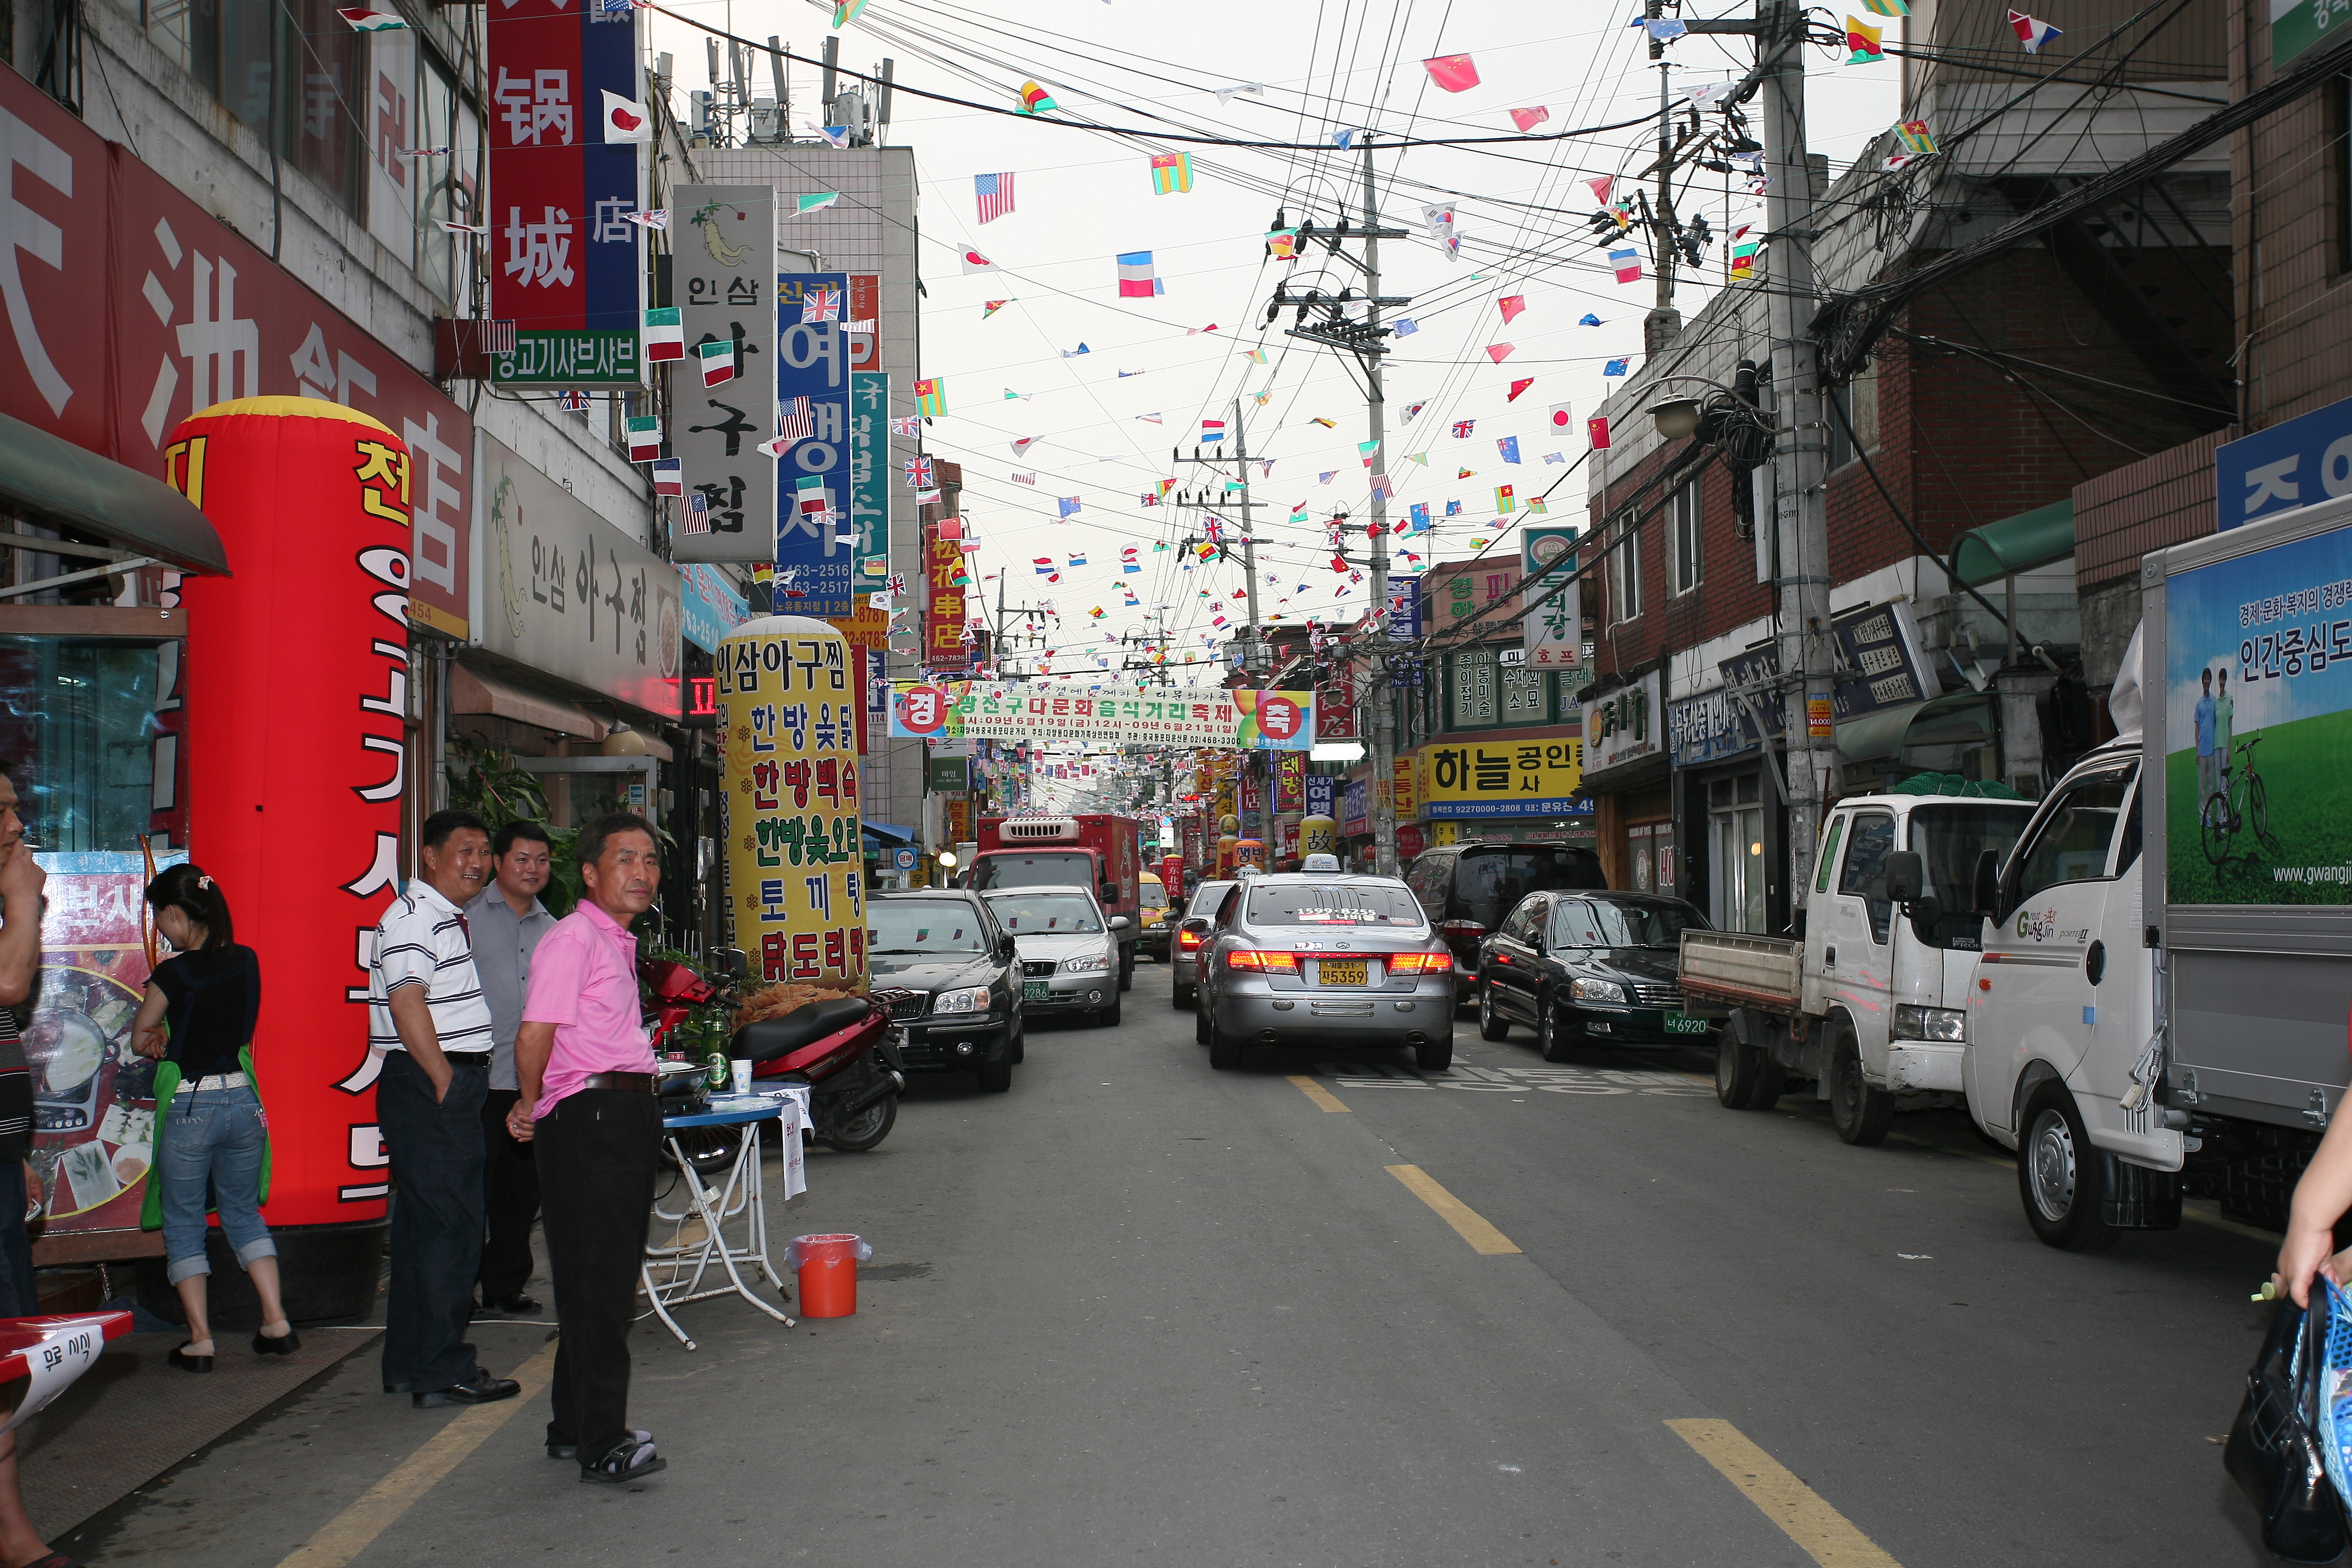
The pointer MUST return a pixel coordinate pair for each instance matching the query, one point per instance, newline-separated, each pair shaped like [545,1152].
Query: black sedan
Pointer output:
[948,950]
[1596,968]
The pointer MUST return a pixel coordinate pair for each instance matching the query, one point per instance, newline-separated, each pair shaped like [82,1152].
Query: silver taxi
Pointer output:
[1316,959]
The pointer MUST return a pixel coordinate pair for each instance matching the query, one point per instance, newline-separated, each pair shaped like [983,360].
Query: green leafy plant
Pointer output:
[492,785]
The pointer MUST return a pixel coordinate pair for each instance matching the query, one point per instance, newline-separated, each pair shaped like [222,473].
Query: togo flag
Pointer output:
[718,361]
[664,336]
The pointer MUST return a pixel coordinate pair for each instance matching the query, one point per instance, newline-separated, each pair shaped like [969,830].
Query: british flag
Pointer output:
[920,473]
[1461,428]
[697,513]
[572,402]
[821,304]
[795,420]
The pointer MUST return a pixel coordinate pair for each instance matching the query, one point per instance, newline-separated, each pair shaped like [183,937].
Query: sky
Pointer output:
[1083,195]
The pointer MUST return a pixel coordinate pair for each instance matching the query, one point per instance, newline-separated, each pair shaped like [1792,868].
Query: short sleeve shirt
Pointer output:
[504,943]
[422,941]
[584,980]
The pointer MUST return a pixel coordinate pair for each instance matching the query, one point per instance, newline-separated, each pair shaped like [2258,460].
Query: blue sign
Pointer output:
[711,607]
[1355,807]
[1404,609]
[1322,795]
[904,859]
[2287,466]
[816,573]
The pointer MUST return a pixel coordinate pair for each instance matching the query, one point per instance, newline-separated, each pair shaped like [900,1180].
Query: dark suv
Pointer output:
[945,946]
[1468,888]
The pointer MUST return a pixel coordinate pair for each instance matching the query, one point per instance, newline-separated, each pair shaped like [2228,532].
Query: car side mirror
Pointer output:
[1986,893]
[1907,877]
[1118,922]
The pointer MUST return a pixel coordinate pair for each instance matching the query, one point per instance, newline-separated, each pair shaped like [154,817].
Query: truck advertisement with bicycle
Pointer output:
[2258,721]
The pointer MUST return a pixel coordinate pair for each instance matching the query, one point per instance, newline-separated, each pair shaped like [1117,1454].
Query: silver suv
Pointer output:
[1313,959]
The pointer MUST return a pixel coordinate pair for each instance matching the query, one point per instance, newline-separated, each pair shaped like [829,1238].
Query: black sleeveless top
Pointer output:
[213,1001]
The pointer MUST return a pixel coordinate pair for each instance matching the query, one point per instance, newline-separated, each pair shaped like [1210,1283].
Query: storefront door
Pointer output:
[1736,831]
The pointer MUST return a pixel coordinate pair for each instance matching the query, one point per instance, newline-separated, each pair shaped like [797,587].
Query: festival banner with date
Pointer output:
[1105,714]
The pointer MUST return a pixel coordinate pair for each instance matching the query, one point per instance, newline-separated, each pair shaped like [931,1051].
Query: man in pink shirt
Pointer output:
[586,1073]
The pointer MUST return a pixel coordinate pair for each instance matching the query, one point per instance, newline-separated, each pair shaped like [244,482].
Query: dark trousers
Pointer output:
[596,1153]
[20,1298]
[510,1200]
[437,1220]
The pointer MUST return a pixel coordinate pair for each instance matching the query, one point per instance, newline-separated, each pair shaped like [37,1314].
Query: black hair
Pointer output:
[505,838]
[592,836]
[442,824]
[186,888]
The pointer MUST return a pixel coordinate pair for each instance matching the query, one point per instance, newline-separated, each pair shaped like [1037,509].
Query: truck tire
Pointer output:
[1736,1070]
[2060,1178]
[1492,1024]
[1861,1114]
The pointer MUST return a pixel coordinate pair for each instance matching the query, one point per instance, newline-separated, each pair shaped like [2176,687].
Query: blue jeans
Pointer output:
[212,1141]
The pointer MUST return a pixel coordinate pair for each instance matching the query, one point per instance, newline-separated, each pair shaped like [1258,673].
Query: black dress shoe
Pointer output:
[286,1343]
[480,1389]
[571,1451]
[178,1356]
[629,1460]
[518,1305]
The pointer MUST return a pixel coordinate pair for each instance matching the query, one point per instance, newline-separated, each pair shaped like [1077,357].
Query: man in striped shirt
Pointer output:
[426,1014]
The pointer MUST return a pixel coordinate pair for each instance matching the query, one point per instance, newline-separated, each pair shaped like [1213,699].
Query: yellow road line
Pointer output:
[354,1530]
[1482,1237]
[1318,1093]
[1825,1533]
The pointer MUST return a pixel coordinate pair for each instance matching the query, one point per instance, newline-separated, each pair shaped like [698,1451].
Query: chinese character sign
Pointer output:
[943,630]
[563,254]
[814,568]
[788,694]
[313,503]
[723,277]
[1554,628]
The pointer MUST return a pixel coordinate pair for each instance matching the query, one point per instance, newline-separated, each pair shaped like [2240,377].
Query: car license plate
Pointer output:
[1678,1024]
[1340,972]
[1036,990]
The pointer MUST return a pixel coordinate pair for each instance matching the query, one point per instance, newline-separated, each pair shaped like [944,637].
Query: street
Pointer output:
[1331,1312]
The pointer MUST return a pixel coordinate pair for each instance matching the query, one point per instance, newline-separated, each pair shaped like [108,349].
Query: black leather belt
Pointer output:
[639,1082]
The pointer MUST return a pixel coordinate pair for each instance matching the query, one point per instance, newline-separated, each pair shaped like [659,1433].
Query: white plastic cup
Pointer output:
[742,1071]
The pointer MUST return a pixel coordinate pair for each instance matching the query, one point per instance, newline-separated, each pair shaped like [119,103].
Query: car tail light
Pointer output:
[1461,931]
[1419,963]
[1188,939]
[1263,961]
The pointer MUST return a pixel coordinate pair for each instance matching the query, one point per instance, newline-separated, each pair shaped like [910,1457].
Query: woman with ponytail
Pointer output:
[212,1146]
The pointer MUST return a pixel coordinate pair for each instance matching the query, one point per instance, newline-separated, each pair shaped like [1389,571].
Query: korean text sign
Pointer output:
[723,277]
[564,265]
[1498,778]
[1109,715]
[788,696]
[816,571]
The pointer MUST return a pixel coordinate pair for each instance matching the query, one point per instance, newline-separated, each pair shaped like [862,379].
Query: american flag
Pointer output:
[573,402]
[821,304]
[796,421]
[698,514]
[995,194]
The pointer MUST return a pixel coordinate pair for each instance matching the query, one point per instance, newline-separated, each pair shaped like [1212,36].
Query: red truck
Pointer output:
[1088,849]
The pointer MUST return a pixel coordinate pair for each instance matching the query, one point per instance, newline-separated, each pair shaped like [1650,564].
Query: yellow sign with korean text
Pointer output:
[1502,778]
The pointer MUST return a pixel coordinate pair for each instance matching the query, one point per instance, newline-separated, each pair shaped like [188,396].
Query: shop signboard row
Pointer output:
[1881,662]
[1104,715]
[130,307]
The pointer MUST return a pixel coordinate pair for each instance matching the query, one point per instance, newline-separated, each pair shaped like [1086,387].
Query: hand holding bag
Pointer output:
[2274,1453]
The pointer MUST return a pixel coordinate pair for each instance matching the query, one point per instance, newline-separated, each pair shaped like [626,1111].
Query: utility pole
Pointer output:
[1252,643]
[1800,503]
[1658,333]
[1362,340]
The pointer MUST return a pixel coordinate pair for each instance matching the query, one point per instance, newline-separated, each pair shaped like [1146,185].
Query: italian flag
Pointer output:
[664,336]
[644,439]
[718,362]
[366,21]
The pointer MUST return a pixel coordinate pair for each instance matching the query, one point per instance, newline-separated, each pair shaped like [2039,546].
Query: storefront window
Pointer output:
[77,731]
[1736,826]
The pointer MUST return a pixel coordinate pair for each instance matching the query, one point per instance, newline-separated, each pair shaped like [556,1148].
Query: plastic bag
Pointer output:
[825,1248]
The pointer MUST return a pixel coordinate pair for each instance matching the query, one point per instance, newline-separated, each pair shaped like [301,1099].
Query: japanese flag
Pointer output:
[1563,417]
[974,261]
[625,119]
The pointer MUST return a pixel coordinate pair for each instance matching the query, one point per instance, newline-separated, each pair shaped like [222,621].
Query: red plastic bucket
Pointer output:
[829,1275]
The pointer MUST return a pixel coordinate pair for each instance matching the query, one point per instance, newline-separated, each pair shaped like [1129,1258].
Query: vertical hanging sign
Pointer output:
[815,570]
[566,120]
[1554,629]
[723,279]
[869,473]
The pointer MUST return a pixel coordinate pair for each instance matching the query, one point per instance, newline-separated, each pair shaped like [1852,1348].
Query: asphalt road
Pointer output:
[1138,1310]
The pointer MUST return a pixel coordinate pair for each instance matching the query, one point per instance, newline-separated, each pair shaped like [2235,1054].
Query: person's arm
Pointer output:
[534,1043]
[412,1018]
[21,880]
[2321,1198]
[147,1036]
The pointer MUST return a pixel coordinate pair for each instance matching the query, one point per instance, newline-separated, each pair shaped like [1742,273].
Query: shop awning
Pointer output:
[1878,735]
[476,692]
[70,488]
[2014,544]
[889,836]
